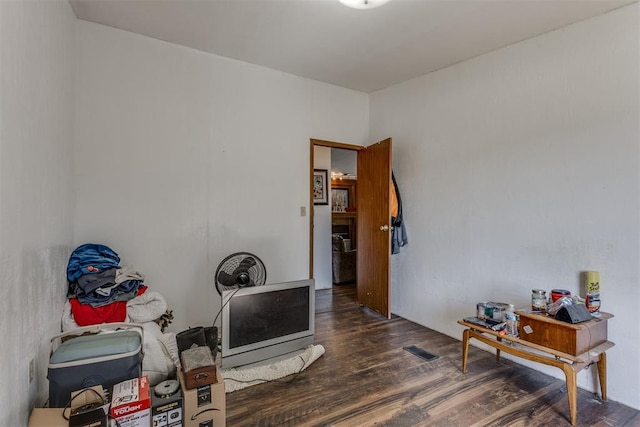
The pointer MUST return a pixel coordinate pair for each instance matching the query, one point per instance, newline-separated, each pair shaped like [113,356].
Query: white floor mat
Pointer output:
[242,377]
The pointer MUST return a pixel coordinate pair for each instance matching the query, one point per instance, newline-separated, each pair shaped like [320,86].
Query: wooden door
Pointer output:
[374,226]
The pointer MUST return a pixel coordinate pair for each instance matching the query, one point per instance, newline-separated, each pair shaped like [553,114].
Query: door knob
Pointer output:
[384,227]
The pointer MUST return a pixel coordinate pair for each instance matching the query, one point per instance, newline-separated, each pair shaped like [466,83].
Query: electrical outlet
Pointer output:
[32,370]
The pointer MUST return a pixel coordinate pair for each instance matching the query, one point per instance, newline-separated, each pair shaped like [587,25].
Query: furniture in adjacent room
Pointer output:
[343,260]
[570,347]
[343,209]
[344,224]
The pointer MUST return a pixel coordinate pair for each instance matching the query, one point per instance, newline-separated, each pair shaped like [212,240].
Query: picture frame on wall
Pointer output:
[339,199]
[320,193]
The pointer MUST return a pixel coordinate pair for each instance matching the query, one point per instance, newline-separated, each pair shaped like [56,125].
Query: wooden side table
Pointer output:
[545,354]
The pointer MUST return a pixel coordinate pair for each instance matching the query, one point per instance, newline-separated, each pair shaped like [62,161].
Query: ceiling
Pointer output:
[364,50]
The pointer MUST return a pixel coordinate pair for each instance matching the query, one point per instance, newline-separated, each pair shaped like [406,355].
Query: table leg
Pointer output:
[572,391]
[498,350]
[602,375]
[465,350]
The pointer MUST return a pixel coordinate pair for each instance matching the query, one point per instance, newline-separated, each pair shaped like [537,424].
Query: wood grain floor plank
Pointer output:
[365,378]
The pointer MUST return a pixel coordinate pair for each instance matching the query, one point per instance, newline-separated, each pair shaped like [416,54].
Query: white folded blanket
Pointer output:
[245,376]
[146,307]
[160,353]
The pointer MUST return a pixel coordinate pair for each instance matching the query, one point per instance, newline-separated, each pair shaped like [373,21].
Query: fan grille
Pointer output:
[240,270]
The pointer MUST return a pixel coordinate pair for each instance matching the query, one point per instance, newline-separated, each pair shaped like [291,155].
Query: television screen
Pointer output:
[260,323]
[264,316]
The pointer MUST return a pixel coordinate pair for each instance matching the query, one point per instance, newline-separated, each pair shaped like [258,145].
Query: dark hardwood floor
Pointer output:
[365,378]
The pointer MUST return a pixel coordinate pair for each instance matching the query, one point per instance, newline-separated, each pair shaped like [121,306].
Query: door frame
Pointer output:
[320,143]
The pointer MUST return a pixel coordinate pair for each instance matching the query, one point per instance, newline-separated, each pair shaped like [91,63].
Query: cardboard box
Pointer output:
[53,417]
[573,339]
[47,417]
[131,403]
[199,367]
[167,409]
[204,406]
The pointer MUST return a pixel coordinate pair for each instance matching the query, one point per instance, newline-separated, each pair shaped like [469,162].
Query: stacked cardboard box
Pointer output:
[204,406]
[131,403]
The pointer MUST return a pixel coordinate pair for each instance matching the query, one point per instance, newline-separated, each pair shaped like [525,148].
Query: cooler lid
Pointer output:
[91,346]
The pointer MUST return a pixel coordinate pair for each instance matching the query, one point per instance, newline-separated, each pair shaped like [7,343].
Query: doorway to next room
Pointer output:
[367,222]
[334,238]
[344,216]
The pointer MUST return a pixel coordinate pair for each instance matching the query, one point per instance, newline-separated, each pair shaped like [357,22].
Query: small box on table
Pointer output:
[573,339]
[198,367]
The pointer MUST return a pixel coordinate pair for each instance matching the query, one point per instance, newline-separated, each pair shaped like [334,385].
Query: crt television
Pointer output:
[264,322]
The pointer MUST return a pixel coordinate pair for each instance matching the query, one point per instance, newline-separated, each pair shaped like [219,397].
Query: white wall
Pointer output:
[184,157]
[518,170]
[322,269]
[344,161]
[36,200]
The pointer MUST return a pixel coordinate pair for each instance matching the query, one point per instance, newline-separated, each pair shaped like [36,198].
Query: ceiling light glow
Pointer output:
[363,4]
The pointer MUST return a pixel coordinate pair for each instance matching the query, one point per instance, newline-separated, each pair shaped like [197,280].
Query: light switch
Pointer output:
[303,211]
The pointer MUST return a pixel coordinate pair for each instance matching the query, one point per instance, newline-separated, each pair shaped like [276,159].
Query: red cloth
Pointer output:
[85,314]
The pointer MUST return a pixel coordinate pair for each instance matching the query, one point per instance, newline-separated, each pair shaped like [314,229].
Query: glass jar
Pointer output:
[538,300]
[512,321]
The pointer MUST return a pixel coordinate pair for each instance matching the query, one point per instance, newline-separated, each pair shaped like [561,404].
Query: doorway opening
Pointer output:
[344,216]
[339,206]
[371,217]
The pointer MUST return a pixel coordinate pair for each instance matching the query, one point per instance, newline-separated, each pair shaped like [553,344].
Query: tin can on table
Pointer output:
[556,294]
[592,289]
[593,302]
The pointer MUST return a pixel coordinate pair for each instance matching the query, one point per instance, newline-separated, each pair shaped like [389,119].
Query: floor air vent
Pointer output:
[420,352]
